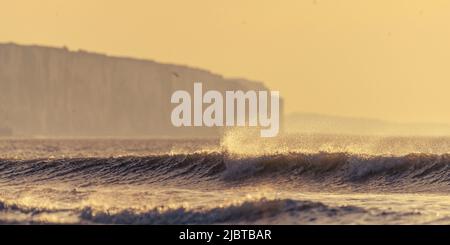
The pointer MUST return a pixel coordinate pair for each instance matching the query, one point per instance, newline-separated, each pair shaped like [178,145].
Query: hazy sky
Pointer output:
[387,59]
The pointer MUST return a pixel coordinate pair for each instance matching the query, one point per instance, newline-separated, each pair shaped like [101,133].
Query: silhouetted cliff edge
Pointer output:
[54,92]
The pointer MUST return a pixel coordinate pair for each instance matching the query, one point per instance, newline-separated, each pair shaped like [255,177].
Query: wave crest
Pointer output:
[247,212]
[338,168]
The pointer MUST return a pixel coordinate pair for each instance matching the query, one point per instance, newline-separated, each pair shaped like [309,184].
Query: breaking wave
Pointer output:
[421,171]
[247,212]
[263,211]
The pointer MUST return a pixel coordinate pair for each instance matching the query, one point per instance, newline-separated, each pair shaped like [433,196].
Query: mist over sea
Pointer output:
[292,179]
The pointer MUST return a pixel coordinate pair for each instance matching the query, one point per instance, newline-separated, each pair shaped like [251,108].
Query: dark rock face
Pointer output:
[54,92]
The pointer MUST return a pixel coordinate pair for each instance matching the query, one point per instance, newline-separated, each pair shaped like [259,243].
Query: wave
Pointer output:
[247,212]
[263,211]
[420,171]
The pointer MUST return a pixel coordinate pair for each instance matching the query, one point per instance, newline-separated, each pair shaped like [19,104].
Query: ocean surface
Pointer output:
[239,179]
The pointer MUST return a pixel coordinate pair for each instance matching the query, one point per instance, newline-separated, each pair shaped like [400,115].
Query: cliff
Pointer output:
[54,92]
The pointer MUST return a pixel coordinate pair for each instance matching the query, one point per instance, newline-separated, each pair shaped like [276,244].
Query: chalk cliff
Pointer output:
[54,92]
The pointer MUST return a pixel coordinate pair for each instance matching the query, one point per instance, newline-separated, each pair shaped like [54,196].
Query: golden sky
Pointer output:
[387,59]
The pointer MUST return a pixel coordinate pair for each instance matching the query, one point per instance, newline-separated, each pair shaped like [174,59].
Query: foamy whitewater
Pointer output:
[241,179]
